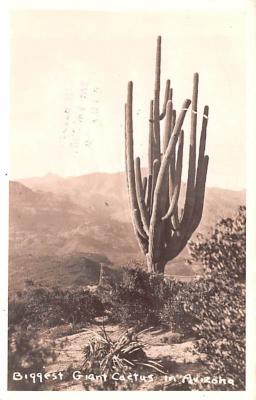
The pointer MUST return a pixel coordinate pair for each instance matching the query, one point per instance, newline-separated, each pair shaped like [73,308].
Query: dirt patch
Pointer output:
[177,358]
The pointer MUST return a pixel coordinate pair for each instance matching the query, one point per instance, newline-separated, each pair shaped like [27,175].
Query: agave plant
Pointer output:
[104,355]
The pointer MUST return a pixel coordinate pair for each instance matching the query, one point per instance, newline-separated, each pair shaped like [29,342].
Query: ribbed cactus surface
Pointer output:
[162,228]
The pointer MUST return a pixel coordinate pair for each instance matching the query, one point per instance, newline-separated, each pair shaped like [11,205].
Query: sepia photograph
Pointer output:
[127,200]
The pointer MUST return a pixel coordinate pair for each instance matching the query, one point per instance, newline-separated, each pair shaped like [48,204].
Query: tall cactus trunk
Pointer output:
[162,230]
[155,267]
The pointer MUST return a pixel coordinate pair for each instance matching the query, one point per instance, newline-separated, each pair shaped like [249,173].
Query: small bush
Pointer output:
[103,355]
[27,354]
[182,308]
[138,298]
[40,306]
[220,308]
[223,253]
[145,299]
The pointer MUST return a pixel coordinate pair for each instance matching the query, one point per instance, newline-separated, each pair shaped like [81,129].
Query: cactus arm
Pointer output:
[155,222]
[137,223]
[168,231]
[172,161]
[179,241]
[192,160]
[172,171]
[202,166]
[164,201]
[168,125]
[140,196]
[170,94]
[176,193]
[151,139]
[140,230]
[190,195]
[200,193]
[179,216]
[175,217]
[157,154]
[173,119]
[149,191]
[144,186]
[175,220]
[125,147]
[169,151]
[156,167]
[201,153]
[166,98]
[129,148]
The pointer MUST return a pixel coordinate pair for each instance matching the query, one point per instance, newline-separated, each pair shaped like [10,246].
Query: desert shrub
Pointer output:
[148,299]
[41,306]
[138,297]
[181,309]
[105,356]
[16,311]
[220,307]
[223,253]
[27,354]
[136,263]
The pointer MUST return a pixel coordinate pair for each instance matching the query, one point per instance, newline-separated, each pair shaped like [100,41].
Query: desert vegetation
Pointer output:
[209,310]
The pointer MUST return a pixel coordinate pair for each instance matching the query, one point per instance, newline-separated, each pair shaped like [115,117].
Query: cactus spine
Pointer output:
[161,229]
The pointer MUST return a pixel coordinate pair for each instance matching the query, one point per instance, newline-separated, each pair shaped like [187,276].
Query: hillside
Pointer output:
[46,223]
[108,193]
[68,270]
[52,218]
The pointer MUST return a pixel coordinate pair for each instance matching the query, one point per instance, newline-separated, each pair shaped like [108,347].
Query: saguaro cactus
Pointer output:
[161,228]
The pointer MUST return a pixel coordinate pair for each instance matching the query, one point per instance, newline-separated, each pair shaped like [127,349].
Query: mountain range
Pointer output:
[52,218]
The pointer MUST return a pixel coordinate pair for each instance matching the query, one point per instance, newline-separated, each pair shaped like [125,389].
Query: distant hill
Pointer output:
[45,223]
[54,217]
[69,270]
[108,193]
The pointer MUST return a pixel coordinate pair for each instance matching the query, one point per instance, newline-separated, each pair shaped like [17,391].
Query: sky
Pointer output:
[69,75]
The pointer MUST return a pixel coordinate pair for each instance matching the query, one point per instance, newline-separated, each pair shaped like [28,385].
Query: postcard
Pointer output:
[127,201]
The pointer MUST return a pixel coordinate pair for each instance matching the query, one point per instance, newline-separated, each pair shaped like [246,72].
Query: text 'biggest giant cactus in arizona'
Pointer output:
[161,228]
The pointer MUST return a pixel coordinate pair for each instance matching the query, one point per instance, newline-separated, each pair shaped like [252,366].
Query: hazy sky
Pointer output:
[69,74]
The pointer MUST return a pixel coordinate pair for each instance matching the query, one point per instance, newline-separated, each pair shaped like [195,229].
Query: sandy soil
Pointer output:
[160,345]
